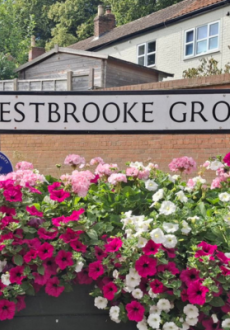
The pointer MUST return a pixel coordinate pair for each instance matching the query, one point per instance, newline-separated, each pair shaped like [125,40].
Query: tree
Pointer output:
[208,67]
[7,67]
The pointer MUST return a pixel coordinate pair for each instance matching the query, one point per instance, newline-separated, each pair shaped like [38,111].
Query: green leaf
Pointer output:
[41,270]
[18,260]
[92,234]
[217,302]
[202,209]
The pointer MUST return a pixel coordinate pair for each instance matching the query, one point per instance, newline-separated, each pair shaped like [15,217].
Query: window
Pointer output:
[146,54]
[201,40]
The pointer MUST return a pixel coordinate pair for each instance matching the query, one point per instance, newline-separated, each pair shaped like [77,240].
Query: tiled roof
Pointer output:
[140,25]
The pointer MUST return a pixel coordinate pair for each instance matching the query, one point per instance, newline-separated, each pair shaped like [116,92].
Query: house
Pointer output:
[172,40]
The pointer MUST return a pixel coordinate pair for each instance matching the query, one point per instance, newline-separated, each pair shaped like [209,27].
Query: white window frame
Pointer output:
[195,40]
[146,54]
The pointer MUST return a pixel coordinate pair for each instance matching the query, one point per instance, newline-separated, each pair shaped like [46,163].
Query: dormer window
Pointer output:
[146,54]
[202,40]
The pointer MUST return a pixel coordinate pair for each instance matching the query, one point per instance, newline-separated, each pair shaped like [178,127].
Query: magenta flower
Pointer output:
[74,216]
[64,259]
[41,279]
[146,266]
[33,243]
[7,309]
[45,251]
[171,267]
[114,245]
[210,325]
[32,189]
[59,195]
[58,221]
[54,186]
[70,235]
[225,271]
[50,266]
[96,269]
[197,293]
[45,234]
[157,286]
[170,252]
[226,159]
[151,248]
[33,211]
[189,275]
[32,254]
[13,194]
[135,311]
[20,303]
[109,290]
[83,277]
[206,250]
[16,275]
[99,253]
[78,246]
[8,211]
[52,287]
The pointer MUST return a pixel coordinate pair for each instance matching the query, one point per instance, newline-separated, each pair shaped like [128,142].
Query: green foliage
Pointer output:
[7,67]
[208,67]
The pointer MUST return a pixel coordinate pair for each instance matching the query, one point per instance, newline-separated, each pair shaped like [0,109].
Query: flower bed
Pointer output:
[155,248]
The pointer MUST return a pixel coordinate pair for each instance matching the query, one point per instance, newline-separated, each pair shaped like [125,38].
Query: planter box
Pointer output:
[70,311]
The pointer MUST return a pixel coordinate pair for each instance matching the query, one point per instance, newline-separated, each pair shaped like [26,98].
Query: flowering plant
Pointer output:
[156,248]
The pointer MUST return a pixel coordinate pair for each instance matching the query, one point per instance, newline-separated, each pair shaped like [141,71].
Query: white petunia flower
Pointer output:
[193,219]
[173,178]
[191,320]
[214,318]
[185,326]
[137,294]
[5,278]
[170,326]
[167,208]
[100,302]
[114,313]
[226,323]
[128,289]
[154,310]
[129,233]
[151,185]
[227,254]
[132,281]
[199,179]
[215,165]
[138,165]
[142,325]
[154,321]
[141,242]
[227,219]
[224,197]
[157,236]
[170,227]
[181,196]
[2,265]
[158,195]
[134,273]
[152,294]
[191,310]
[115,273]
[163,304]
[79,266]
[170,241]
[185,227]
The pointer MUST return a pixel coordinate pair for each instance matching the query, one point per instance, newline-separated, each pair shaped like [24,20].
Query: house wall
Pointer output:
[118,74]
[58,64]
[170,44]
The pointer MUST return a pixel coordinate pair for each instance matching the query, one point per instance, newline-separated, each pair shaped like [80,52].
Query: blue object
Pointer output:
[5,164]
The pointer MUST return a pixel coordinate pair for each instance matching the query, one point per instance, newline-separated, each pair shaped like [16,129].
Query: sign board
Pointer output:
[5,164]
[115,112]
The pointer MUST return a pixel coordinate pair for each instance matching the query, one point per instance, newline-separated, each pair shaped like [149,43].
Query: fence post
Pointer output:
[91,79]
[15,84]
[69,80]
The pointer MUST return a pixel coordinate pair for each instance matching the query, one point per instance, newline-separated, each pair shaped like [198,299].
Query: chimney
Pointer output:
[103,23]
[35,51]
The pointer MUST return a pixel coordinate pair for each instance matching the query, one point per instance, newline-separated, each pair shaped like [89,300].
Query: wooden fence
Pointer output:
[71,82]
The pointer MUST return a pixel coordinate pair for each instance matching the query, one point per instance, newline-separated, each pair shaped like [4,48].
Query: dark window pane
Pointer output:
[202,47]
[189,36]
[214,29]
[152,47]
[213,43]
[141,60]
[189,50]
[141,50]
[202,32]
[151,59]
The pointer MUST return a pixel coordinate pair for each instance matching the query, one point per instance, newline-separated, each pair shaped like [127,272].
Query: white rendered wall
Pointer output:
[170,44]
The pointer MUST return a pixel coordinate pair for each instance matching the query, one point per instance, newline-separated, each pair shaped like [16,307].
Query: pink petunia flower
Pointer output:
[32,254]
[32,189]
[189,275]
[151,248]
[157,286]
[7,309]
[70,235]
[171,267]
[226,159]
[99,253]
[95,269]
[50,266]
[59,195]
[135,311]
[58,221]
[83,277]
[76,245]
[16,274]
[41,279]
[54,186]
[33,243]
[20,303]
[45,251]
[206,250]
[13,194]
[8,211]
[114,245]
[146,266]
[197,293]
[64,259]
[74,216]
[33,211]
[52,287]
[45,234]
[109,290]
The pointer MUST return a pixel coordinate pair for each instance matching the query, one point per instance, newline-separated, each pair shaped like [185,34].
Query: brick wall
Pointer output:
[47,150]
